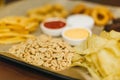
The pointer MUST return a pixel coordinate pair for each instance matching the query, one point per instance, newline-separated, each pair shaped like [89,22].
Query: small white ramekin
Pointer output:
[80,20]
[74,42]
[52,32]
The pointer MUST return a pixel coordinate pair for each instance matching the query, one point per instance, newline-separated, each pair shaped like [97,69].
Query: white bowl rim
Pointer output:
[67,28]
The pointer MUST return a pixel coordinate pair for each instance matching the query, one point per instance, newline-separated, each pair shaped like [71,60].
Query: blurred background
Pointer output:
[108,2]
[3,2]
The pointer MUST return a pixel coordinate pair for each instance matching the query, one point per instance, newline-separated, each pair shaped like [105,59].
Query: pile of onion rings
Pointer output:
[101,14]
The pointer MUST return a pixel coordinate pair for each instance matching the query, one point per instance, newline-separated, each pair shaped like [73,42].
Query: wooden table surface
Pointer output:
[11,72]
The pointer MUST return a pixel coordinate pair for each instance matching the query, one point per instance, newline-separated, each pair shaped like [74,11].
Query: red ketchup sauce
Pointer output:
[54,24]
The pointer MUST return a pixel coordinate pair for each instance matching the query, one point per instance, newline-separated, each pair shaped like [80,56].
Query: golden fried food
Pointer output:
[79,9]
[100,14]
[58,7]
[106,10]
[100,17]
[12,34]
[13,37]
[47,11]
[15,29]
[87,11]
[20,23]
[101,56]
[11,40]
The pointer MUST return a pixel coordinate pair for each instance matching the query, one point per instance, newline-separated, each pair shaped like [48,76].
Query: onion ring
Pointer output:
[100,17]
[79,9]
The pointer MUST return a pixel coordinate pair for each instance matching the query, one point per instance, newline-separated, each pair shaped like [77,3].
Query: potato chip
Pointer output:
[102,56]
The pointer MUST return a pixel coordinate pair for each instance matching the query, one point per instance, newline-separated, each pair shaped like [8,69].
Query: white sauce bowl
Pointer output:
[80,20]
[71,41]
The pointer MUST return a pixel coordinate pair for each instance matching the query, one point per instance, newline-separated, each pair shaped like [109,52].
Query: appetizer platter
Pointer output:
[65,38]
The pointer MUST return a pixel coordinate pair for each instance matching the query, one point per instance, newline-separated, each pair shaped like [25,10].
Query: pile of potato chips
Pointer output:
[14,29]
[102,56]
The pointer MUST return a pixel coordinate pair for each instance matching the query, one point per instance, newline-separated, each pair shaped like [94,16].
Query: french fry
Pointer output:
[12,40]
[14,29]
[4,30]
[13,34]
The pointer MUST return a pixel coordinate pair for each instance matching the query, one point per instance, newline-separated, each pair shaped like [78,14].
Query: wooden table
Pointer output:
[11,72]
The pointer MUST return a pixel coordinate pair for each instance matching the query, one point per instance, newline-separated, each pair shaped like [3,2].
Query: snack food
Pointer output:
[46,51]
[101,14]
[47,11]
[101,54]
[22,23]
[15,29]
[114,25]
[117,20]
[79,9]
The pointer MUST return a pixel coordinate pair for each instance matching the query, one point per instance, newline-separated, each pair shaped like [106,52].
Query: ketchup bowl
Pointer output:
[53,26]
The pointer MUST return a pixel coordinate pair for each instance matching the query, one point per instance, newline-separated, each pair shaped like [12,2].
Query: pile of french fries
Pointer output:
[14,29]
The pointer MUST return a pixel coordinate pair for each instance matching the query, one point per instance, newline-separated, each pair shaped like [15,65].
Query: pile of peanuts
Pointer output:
[45,51]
